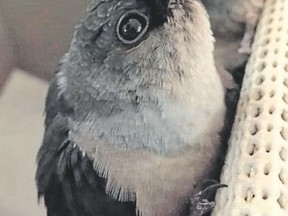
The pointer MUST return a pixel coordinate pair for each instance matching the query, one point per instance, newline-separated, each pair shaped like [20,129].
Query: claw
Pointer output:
[199,203]
[212,188]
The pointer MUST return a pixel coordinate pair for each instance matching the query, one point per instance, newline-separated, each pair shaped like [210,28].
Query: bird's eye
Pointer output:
[132,26]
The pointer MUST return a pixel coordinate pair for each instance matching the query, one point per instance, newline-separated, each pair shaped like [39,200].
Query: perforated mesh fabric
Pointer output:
[256,167]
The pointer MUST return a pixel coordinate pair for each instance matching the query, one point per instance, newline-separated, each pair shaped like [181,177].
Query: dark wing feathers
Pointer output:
[67,181]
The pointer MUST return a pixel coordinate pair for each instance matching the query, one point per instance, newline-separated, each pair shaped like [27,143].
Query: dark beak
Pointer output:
[173,3]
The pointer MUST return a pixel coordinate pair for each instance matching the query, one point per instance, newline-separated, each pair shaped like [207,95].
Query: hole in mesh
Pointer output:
[238,119]
[260,80]
[281,9]
[269,127]
[261,66]
[275,64]
[283,154]
[284,133]
[265,195]
[265,42]
[263,54]
[272,93]
[286,68]
[245,212]
[280,18]
[250,171]
[277,39]
[254,129]
[279,29]
[252,149]
[272,10]
[273,78]
[285,82]
[268,148]
[268,31]
[276,50]
[249,196]
[284,115]
[281,201]
[286,54]
[271,110]
[285,98]
[256,112]
[244,116]
[266,170]
[270,20]
[283,176]
[258,95]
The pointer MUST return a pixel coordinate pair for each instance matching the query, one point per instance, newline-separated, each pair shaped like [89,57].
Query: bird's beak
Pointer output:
[175,3]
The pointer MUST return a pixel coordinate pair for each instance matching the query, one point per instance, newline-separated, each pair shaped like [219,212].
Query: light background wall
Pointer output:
[34,34]
[40,31]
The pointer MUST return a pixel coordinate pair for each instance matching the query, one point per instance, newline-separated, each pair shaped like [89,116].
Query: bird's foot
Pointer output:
[199,203]
[251,23]
[245,45]
[245,50]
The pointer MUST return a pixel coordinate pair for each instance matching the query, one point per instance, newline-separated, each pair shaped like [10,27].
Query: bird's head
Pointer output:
[139,68]
[127,44]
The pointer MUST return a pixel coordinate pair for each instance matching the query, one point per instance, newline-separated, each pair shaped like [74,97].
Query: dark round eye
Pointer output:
[132,26]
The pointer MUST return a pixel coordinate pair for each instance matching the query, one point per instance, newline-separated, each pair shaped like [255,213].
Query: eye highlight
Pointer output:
[132,26]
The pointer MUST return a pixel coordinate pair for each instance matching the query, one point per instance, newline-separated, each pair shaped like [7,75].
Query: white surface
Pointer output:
[256,167]
[21,130]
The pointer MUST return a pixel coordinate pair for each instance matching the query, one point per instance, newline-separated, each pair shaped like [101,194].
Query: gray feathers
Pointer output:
[131,96]
[148,114]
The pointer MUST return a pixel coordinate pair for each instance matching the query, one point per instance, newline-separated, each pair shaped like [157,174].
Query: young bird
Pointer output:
[247,12]
[233,23]
[133,113]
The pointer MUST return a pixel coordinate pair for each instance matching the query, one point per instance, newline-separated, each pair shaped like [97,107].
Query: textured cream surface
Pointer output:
[256,168]
[21,132]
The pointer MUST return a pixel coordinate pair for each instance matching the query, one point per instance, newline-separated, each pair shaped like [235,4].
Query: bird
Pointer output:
[233,23]
[247,12]
[231,18]
[134,113]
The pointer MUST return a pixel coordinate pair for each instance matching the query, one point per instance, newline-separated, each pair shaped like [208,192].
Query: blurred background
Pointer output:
[34,34]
